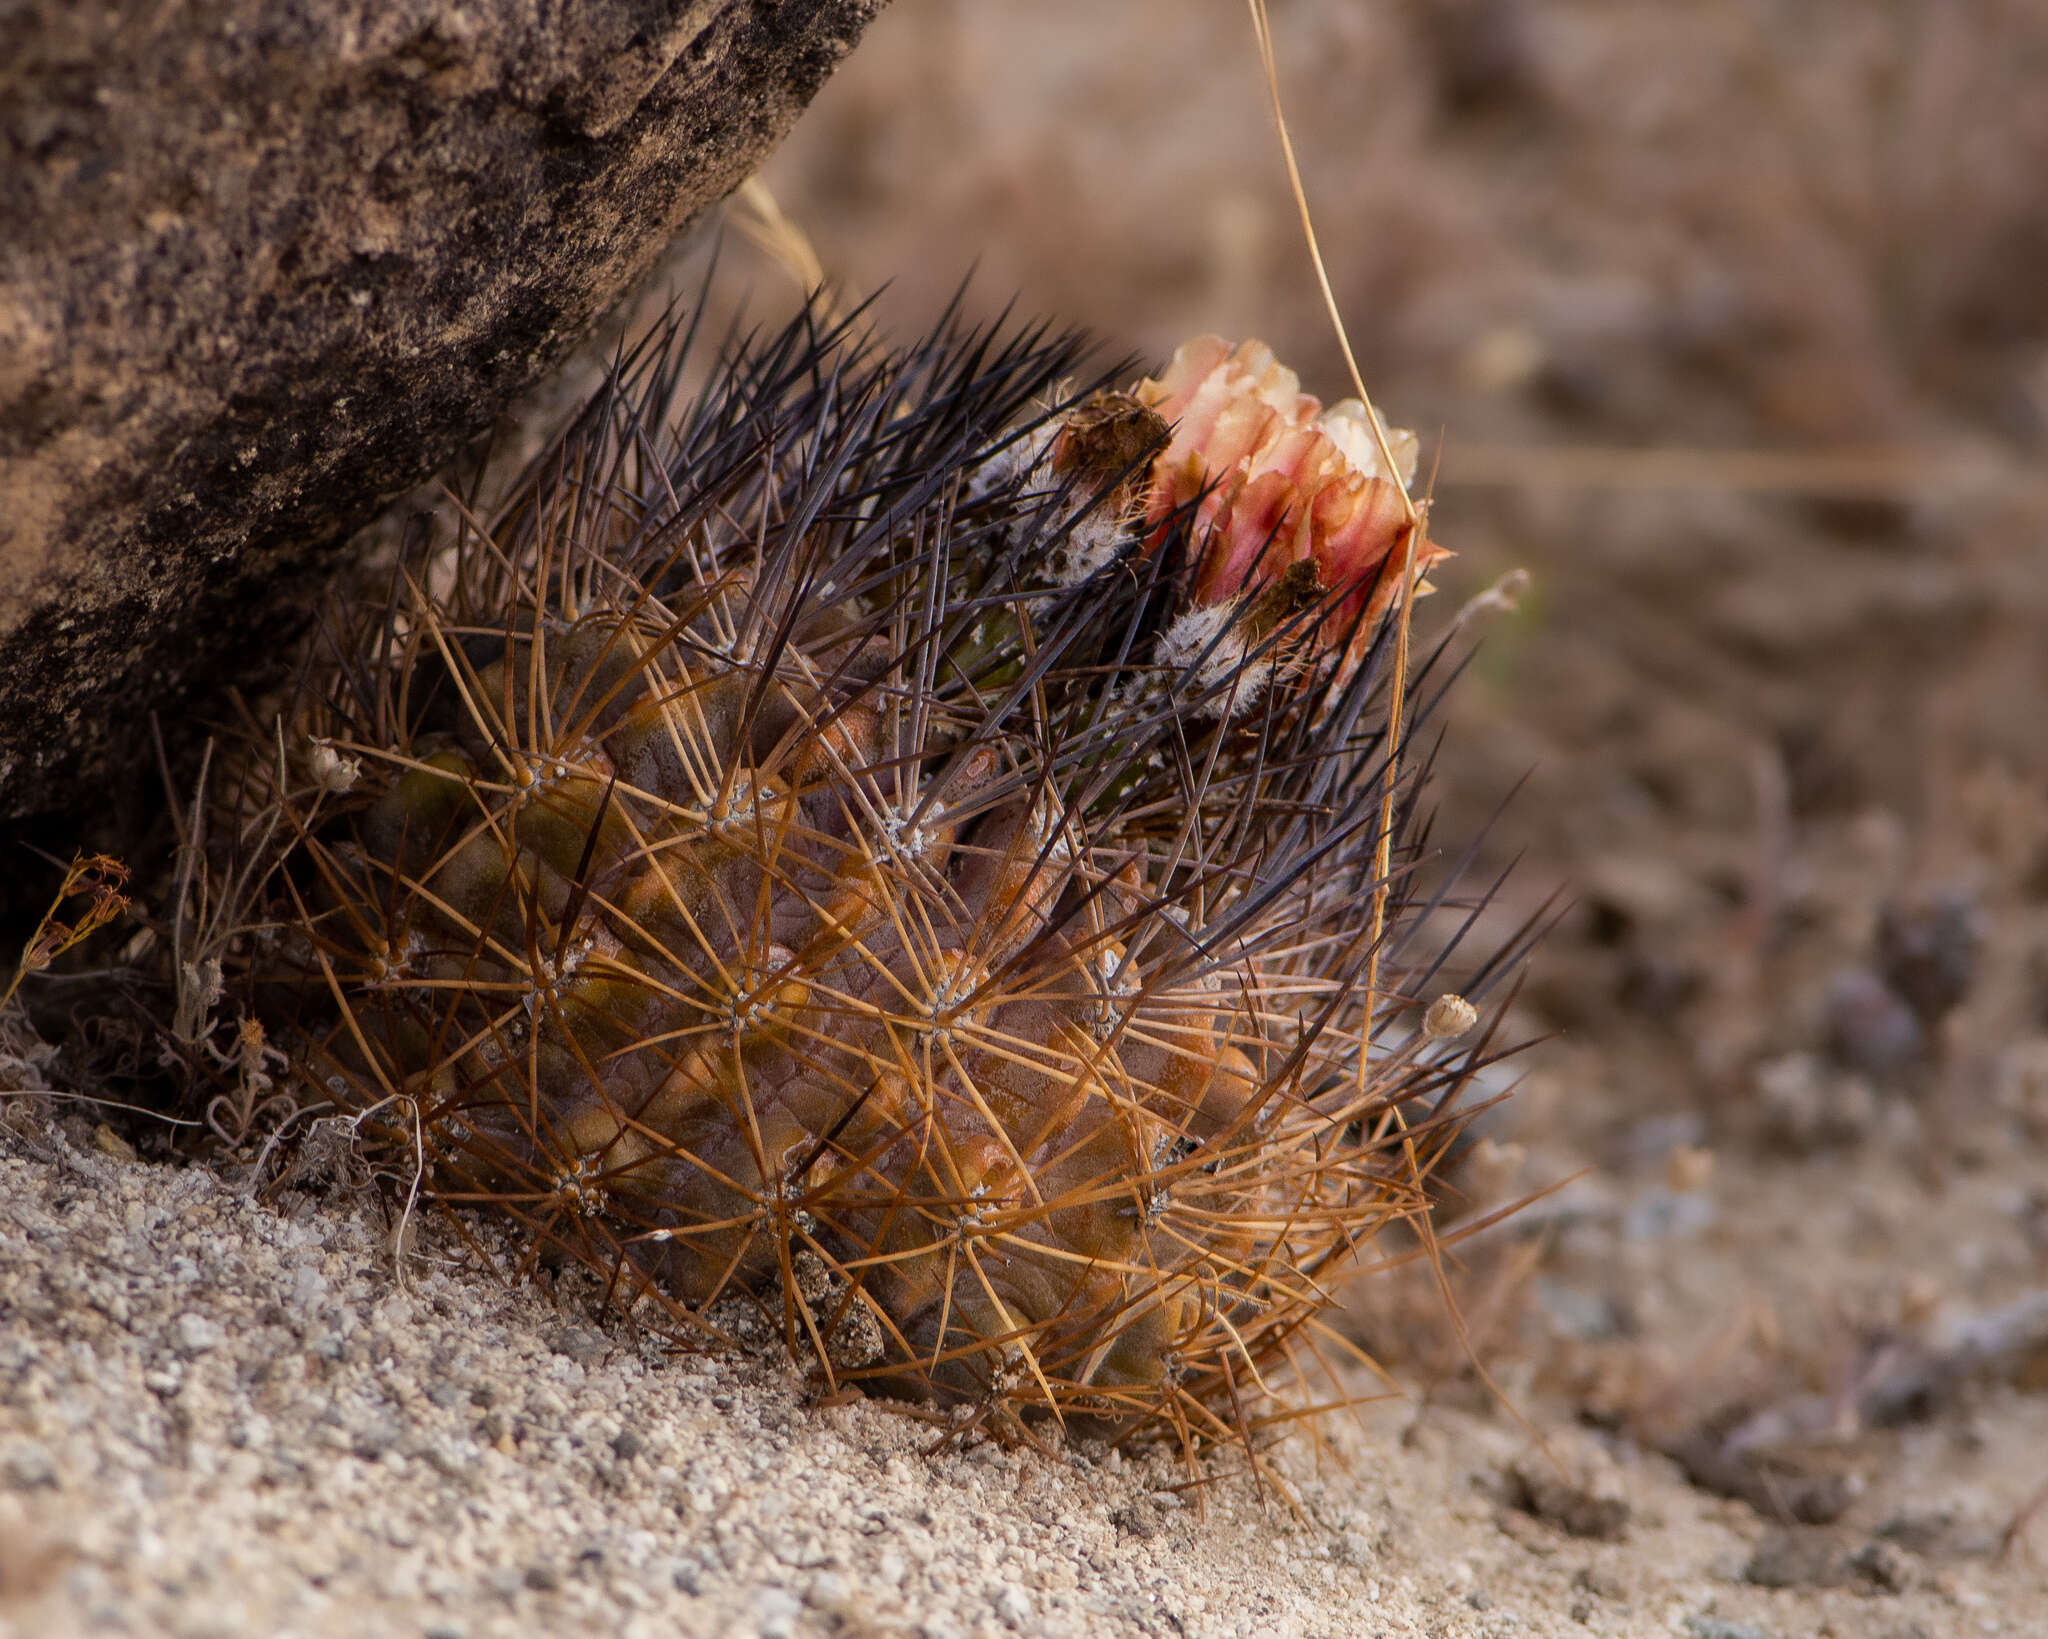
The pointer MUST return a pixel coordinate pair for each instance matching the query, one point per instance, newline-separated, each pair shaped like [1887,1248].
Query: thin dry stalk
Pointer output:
[97,879]
[1412,513]
[215,893]
[760,218]
[1401,617]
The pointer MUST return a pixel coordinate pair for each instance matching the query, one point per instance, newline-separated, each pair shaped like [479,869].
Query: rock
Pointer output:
[1803,1104]
[1929,953]
[1579,1490]
[1941,1531]
[1808,1558]
[196,1334]
[776,1611]
[1818,1559]
[1885,1567]
[269,262]
[1011,1605]
[28,1466]
[1869,1025]
[1713,1627]
[1758,1455]
[583,1344]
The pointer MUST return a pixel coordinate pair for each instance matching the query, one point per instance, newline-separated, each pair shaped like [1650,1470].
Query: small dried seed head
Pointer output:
[1449,1016]
[332,772]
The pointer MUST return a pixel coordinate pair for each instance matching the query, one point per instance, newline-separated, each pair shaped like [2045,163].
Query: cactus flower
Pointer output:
[1275,480]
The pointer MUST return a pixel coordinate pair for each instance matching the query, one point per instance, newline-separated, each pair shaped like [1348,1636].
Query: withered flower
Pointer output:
[1288,498]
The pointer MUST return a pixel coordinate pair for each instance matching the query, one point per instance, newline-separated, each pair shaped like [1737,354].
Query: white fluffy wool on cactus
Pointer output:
[883,846]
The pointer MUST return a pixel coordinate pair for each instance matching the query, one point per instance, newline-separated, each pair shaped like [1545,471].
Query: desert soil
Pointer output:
[1767,1357]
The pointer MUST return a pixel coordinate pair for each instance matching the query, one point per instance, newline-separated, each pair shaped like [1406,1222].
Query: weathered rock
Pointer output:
[267,263]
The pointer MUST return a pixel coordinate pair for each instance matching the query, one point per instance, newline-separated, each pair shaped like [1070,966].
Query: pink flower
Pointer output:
[1276,481]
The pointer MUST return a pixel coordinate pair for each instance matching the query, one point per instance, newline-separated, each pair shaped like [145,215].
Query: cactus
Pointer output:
[840,848]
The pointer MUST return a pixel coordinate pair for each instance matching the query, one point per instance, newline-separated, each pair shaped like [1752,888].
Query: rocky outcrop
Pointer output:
[268,262]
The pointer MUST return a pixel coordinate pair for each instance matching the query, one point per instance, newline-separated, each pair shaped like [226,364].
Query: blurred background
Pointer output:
[1729,323]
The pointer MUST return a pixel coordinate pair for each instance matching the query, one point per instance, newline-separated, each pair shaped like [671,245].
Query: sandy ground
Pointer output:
[1779,738]
[221,1419]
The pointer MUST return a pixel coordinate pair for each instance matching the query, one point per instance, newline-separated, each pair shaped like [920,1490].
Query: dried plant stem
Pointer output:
[771,230]
[98,879]
[1402,615]
[1263,28]
[1397,693]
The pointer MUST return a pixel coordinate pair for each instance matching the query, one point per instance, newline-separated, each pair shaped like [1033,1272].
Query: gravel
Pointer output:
[220,1418]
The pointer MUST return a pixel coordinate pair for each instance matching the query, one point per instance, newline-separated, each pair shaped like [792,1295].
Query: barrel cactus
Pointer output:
[888,845]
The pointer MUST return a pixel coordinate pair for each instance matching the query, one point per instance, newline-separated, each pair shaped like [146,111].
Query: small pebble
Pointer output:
[197,1335]
[1928,953]
[1713,1627]
[1869,1025]
[1577,1490]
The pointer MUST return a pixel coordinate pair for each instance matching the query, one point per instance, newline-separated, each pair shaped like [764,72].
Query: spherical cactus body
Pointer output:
[839,847]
